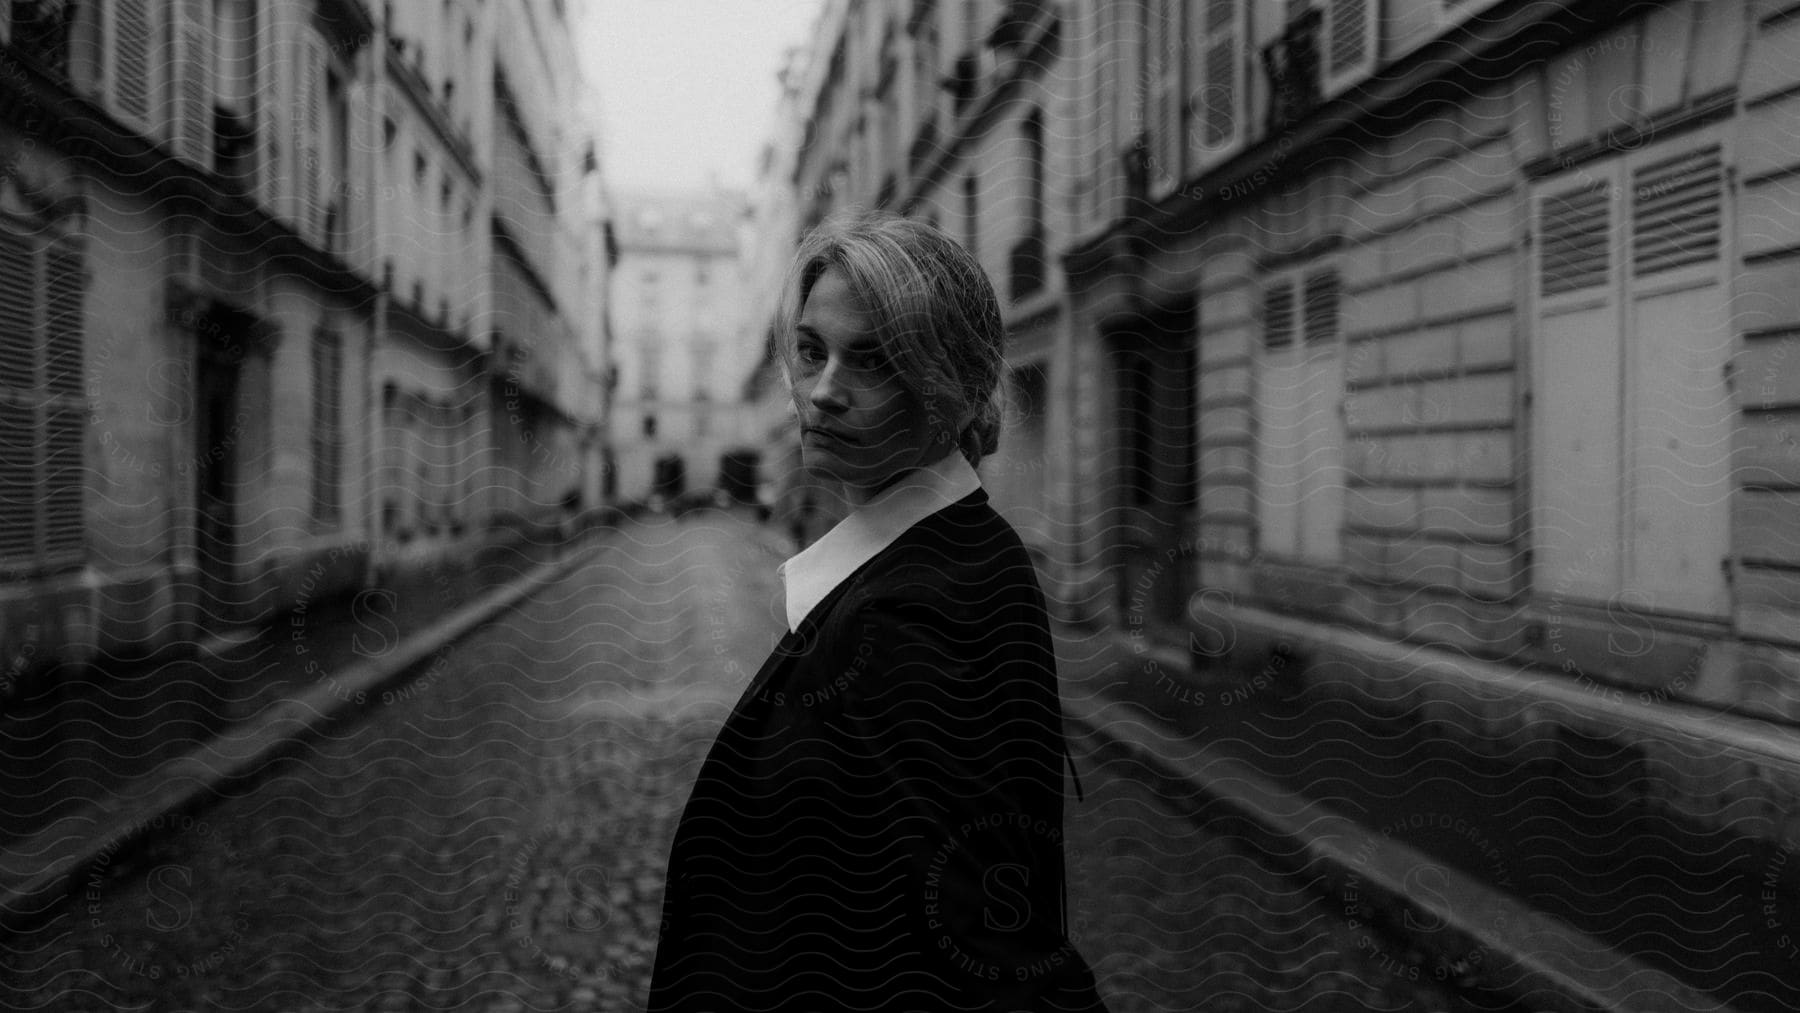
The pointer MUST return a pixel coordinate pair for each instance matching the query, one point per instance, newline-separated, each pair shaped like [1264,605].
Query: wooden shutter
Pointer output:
[327,424]
[1677,345]
[42,413]
[18,401]
[18,314]
[309,132]
[65,288]
[1162,41]
[64,477]
[64,480]
[1218,86]
[1675,219]
[1575,240]
[1320,307]
[194,71]
[1278,315]
[128,81]
[1349,46]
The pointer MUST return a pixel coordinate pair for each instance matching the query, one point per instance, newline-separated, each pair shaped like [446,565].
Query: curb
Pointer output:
[35,873]
[1527,954]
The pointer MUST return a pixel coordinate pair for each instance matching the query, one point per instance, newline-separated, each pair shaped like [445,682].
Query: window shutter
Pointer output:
[18,482]
[326,424]
[1675,217]
[64,481]
[1348,48]
[1221,93]
[193,92]
[1278,315]
[129,82]
[18,315]
[18,401]
[65,287]
[1575,236]
[1320,307]
[1163,39]
[309,136]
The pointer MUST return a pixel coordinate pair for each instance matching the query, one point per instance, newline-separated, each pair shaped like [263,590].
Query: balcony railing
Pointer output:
[1293,65]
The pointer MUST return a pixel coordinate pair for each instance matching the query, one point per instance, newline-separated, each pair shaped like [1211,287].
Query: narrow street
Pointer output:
[491,836]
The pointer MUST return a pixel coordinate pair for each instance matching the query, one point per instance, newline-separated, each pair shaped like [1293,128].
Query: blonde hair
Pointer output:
[936,317]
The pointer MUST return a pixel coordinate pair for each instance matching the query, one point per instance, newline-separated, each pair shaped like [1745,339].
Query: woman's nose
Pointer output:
[827,392]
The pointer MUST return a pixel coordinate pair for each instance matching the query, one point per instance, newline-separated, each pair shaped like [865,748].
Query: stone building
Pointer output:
[1418,347]
[246,312]
[679,343]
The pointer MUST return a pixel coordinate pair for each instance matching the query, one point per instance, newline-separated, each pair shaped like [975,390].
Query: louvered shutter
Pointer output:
[326,424]
[1280,440]
[18,401]
[1678,345]
[1278,315]
[65,287]
[65,471]
[309,128]
[194,76]
[1675,220]
[18,483]
[128,81]
[1349,45]
[1575,240]
[1218,93]
[64,480]
[18,314]
[1320,307]
[1163,40]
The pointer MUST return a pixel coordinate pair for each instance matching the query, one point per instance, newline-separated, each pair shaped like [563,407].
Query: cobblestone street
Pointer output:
[492,836]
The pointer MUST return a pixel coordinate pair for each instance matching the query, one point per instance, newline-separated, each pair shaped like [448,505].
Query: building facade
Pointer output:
[679,342]
[248,314]
[1413,346]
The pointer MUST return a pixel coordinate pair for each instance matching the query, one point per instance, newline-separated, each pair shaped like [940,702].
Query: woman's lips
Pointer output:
[827,434]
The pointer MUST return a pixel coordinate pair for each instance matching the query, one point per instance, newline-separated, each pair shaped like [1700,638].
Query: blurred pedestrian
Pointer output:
[879,823]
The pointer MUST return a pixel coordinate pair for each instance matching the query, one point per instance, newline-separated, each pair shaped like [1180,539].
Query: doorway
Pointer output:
[1156,483]
[219,429]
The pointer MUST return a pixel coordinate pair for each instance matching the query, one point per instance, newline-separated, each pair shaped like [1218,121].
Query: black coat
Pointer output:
[879,823]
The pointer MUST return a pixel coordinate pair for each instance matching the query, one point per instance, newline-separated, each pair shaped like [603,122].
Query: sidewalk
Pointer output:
[275,689]
[1501,871]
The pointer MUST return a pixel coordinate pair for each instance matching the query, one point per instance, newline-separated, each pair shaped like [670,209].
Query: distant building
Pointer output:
[678,341]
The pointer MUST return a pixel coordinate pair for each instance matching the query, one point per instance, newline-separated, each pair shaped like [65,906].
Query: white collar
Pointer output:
[814,573]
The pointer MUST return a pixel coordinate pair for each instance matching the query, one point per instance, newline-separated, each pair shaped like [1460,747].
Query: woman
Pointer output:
[879,824]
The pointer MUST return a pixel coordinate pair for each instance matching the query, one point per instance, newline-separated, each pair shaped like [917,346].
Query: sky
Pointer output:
[687,87]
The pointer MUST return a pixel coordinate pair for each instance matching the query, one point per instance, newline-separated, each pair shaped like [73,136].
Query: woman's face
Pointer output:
[858,424]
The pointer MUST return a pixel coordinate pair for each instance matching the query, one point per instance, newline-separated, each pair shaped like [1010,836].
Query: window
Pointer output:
[327,427]
[1632,420]
[1216,73]
[650,425]
[42,415]
[126,72]
[1300,441]
[1349,42]
[195,75]
[704,352]
[1162,80]
[649,370]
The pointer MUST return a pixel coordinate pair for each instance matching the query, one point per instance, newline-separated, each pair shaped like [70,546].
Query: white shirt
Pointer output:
[813,574]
